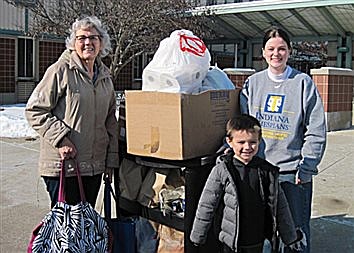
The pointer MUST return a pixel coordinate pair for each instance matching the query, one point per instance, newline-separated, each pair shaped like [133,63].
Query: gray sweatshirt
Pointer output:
[292,118]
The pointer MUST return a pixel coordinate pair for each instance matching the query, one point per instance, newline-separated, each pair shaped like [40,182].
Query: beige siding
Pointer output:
[11,18]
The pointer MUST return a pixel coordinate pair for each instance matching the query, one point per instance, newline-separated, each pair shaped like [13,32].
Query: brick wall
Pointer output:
[125,78]
[336,92]
[7,65]
[49,52]
[238,80]
[335,86]
[238,75]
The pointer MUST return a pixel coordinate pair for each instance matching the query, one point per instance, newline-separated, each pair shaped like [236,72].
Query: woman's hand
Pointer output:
[67,149]
[297,179]
[108,174]
[303,179]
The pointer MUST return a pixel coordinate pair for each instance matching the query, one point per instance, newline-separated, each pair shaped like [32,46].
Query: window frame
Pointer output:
[22,58]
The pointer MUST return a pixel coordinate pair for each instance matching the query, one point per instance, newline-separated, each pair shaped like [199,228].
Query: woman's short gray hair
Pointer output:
[86,23]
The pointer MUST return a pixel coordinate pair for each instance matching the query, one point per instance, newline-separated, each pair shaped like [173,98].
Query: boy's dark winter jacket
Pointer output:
[220,186]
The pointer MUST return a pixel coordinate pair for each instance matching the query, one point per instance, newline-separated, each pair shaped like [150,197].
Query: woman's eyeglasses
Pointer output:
[82,38]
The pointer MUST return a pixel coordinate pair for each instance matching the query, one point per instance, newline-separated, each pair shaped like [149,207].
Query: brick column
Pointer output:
[238,76]
[336,88]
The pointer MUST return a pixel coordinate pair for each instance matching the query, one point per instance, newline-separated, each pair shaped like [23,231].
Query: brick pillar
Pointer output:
[336,88]
[238,76]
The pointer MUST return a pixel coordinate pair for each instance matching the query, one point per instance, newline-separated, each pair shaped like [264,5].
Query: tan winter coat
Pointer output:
[67,103]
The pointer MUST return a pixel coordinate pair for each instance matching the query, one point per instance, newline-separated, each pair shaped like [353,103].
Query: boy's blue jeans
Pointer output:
[299,198]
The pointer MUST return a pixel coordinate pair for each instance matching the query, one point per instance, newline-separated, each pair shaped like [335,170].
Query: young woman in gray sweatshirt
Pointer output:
[290,110]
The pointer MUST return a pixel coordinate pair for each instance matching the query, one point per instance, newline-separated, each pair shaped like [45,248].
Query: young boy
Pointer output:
[255,207]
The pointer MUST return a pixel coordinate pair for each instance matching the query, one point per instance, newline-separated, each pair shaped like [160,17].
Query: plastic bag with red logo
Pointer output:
[179,65]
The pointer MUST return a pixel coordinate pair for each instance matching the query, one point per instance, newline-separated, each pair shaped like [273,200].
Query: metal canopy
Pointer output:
[302,19]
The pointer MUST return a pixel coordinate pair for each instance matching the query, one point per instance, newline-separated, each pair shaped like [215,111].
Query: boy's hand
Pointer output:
[300,242]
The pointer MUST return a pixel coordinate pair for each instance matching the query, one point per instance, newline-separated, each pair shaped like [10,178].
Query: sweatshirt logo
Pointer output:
[274,103]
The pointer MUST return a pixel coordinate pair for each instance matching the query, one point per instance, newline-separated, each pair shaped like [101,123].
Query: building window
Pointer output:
[217,47]
[27,3]
[140,63]
[25,57]
[138,67]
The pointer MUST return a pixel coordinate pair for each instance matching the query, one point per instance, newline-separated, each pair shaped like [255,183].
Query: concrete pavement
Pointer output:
[332,221]
[24,201]
[23,198]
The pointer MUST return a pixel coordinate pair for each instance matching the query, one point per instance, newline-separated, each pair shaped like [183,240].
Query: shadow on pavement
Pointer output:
[332,234]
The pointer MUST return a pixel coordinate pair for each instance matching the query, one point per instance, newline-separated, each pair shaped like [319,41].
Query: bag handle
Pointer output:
[108,190]
[61,195]
[192,45]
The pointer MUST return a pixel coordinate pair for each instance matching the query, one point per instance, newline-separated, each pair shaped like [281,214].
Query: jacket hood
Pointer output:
[224,158]
[71,58]
[255,162]
[65,56]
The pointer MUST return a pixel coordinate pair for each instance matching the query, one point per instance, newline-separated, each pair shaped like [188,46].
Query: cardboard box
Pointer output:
[178,126]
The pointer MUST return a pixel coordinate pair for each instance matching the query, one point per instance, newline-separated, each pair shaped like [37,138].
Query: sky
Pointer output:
[13,123]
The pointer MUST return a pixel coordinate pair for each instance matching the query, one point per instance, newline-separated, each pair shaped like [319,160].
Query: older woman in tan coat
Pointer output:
[73,110]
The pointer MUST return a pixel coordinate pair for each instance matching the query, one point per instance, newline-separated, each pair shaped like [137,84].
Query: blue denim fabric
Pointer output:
[267,246]
[146,236]
[299,198]
[52,186]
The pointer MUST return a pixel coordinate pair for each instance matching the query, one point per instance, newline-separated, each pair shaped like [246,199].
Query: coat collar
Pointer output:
[74,62]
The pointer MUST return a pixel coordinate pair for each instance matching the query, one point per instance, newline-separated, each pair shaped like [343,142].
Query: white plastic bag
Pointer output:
[216,79]
[179,65]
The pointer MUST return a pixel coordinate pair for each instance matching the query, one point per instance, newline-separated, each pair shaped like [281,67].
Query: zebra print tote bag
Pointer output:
[71,228]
